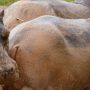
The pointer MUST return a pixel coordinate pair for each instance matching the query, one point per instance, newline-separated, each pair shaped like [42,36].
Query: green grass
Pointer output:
[8,2]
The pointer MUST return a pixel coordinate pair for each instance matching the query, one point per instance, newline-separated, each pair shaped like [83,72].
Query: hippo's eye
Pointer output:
[19,20]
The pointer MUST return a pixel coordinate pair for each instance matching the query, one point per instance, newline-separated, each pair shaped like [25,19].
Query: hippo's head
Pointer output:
[8,67]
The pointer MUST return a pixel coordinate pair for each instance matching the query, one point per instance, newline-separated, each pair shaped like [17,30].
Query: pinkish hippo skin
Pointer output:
[53,55]
[23,11]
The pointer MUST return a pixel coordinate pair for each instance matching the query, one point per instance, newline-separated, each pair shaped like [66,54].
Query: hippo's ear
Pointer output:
[19,20]
[1,13]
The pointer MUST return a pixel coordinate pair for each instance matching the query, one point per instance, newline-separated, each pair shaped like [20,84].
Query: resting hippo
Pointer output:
[84,2]
[8,67]
[53,55]
[22,11]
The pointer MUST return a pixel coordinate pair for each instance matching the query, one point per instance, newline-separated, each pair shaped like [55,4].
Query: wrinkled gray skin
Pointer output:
[83,2]
[8,67]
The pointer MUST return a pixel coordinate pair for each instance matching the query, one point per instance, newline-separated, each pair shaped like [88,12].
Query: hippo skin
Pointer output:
[23,11]
[53,55]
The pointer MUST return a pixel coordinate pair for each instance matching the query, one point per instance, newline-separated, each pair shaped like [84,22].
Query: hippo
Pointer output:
[84,2]
[52,53]
[22,11]
[8,66]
